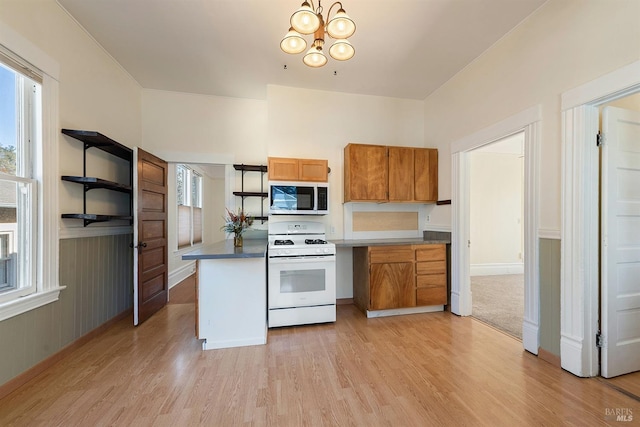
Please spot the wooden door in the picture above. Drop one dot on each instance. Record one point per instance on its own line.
(401, 174)
(365, 173)
(150, 234)
(620, 245)
(425, 174)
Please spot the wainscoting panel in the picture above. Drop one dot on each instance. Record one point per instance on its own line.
(550, 295)
(98, 275)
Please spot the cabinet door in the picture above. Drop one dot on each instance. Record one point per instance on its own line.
(392, 286)
(401, 180)
(425, 174)
(283, 169)
(313, 170)
(365, 173)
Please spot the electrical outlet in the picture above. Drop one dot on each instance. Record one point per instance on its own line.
(333, 230)
(428, 218)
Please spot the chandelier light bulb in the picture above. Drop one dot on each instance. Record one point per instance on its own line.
(305, 20)
(342, 50)
(341, 26)
(314, 57)
(293, 42)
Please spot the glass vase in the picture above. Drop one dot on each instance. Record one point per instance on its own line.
(237, 240)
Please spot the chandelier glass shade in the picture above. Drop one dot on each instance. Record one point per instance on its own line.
(308, 20)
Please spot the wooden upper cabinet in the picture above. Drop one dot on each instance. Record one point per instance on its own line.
(425, 174)
(313, 170)
(287, 169)
(401, 174)
(365, 173)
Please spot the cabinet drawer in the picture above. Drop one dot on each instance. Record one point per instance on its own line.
(431, 267)
(431, 296)
(388, 254)
(431, 253)
(432, 280)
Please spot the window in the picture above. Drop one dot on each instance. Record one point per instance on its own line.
(20, 120)
(29, 132)
(189, 199)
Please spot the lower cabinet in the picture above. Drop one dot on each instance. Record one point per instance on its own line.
(403, 276)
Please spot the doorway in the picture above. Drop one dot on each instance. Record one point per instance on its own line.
(497, 234)
(529, 123)
(580, 267)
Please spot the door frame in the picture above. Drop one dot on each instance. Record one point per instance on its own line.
(529, 122)
(580, 244)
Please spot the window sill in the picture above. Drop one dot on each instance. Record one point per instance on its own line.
(29, 302)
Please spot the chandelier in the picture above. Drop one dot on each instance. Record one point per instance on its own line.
(308, 20)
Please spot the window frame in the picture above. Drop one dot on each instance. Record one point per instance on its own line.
(188, 176)
(45, 276)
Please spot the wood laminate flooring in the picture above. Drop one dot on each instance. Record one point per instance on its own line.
(431, 369)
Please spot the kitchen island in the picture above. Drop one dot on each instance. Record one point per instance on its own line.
(231, 294)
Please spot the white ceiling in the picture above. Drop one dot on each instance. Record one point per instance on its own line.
(404, 48)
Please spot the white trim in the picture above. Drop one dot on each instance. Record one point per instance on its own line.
(496, 269)
(431, 227)
(499, 130)
(188, 157)
(528, 121)
(619, 83)
(29, 302)
(580, 216)
(548, 233)
(26, 50)
(46, 171)
(95, 231)
(181, 273)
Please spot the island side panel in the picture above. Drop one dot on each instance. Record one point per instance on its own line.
(232, 307)
(361, 278)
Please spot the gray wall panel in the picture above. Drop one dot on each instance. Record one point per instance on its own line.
(550, 295)
(98, 274)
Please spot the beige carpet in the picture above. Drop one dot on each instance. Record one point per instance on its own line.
(499, 301)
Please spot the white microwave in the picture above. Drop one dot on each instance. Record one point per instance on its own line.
(298, 198)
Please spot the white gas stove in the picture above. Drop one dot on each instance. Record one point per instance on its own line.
(302, 274)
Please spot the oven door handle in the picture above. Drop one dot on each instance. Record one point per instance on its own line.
(285, 259)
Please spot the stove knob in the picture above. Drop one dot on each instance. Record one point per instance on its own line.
(318, 250)
(326, 250)
(287, 251)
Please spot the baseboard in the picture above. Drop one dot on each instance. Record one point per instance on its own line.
(496, 269)
(17, 382)
(549, 357)
(344, 301)
(181, 273)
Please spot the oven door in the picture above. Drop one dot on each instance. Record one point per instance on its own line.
(302, 281)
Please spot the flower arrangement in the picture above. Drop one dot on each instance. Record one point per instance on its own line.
(237, 223)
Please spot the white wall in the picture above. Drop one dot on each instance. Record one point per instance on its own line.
(95, 94)
(496, 213)
(562, 45)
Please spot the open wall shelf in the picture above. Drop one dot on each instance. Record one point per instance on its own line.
(262, 194)
(92, 139)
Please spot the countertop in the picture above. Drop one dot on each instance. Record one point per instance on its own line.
(252, 248)
(353, 243)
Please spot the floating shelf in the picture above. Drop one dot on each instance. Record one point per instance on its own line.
(250, 194)
(91, 218)
(90, 183)
(251, 168)
(98, 140)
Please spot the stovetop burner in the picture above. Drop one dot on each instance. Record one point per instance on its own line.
(283, 242)
(315, 242)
